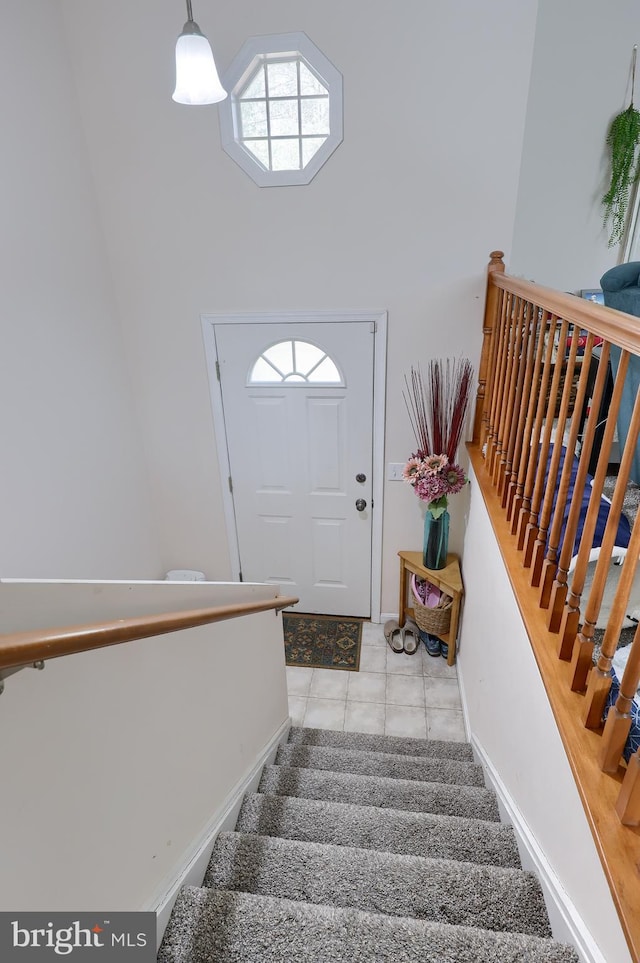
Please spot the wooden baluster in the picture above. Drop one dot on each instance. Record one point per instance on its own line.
(581, 660)
(522, 407)
(510, 468)
(550, 566)
(560, 586)
(489, 404)
(539, 321)
(628, 802)
(496, 362)
(599, 677)
(535, 462)
(496, 264)
(618, 724)
(570, 621)
(506, 414)
(543, 473)
(509, 336)
(493, 441)
(498, 348)
(553, 497)
(515, 389)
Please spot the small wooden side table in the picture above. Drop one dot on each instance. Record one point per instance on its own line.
(448, 579)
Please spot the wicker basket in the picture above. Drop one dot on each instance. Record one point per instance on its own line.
(435, 621)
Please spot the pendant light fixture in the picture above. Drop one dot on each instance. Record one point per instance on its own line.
(197, 80)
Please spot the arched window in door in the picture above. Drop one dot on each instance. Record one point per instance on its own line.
(295, 362)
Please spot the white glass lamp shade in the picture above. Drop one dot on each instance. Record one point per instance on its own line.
(197, 80)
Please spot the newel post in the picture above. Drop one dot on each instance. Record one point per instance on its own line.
(496, 264)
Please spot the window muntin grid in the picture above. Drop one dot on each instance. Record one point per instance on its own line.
(295, 362)
(284, 113)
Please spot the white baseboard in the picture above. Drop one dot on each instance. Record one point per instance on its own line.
(566, 923)
(385, 616)
(194, 861)
(463, 698)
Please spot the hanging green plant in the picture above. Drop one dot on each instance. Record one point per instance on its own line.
(622, 141)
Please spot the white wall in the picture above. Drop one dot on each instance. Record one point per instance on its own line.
(73, 492)
(402, 217)
(112, 761)
(580, 81)
(510, 717)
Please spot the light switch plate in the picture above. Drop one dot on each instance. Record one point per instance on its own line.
(394, 471)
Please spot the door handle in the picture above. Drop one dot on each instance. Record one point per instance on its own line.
(361, 505)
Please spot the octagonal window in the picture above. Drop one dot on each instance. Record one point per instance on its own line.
(284, 116)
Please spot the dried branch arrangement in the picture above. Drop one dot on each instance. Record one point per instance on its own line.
(437, 405)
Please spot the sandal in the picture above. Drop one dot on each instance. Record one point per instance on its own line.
(410, 638)
(393, 635)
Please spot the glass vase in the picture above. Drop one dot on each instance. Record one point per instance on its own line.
(436, 540)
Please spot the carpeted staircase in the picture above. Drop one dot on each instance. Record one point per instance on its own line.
(366, 848)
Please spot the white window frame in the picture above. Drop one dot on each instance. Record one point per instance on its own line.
(630, 248)
(277, 46)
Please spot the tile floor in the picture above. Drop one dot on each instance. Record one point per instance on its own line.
(392, 694)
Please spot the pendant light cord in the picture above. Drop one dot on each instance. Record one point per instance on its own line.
(190, 17)
(633, 70)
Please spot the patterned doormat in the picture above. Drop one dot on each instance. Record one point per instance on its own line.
(322, 641)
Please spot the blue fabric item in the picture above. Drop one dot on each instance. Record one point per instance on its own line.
(633, 741)
(627, 401)
(621, 289)
(621, 276)
(623, 533)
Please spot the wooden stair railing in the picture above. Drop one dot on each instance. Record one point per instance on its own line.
(538, 414)
(24, 648)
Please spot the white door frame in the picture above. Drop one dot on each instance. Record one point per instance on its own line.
(378, 319)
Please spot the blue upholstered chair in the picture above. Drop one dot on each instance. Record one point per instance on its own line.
(621, 288)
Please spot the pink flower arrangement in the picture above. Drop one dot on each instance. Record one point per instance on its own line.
(433, 477)
(437, 409)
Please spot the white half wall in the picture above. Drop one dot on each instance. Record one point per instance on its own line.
(114, 762)
(509, 715)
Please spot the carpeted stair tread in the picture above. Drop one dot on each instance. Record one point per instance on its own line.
(387, 764)
(218, 926)
(369, 827)
(374, 743)
(472, 801)
(462, 894)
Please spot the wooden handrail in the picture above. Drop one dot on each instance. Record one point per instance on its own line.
(23, 648)
(614, 326)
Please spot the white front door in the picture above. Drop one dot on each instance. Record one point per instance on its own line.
(298, 413)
